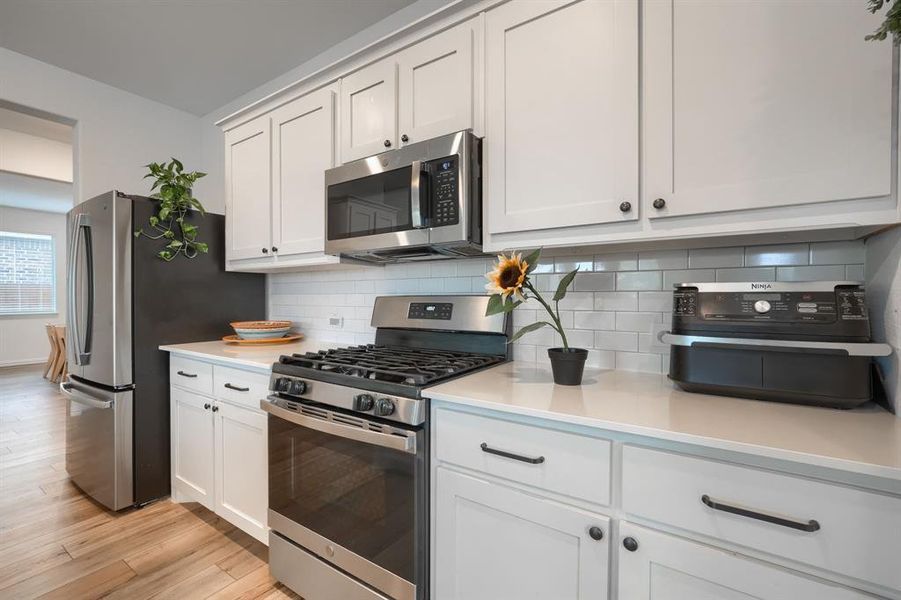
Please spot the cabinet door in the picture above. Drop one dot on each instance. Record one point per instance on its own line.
(369, 111)
(303, 146)
(247, 191)
(494, 543)
(191, 432)
(561, 113)
(242, 484)
(665, 567)
(748, 105)
(435, 85)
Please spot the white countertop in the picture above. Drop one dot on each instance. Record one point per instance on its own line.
(865, 440)
(258, 357)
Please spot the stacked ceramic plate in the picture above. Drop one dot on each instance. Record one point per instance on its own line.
(261, 330)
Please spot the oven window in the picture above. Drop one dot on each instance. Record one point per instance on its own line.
(371, 205)
(357, 495)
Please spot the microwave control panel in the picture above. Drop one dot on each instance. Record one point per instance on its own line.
(445, 191)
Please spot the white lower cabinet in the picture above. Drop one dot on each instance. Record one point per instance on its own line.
(220, 455)
(240, 450)
(191, 434)
(511, 520)
(660, 566)
(496, 543)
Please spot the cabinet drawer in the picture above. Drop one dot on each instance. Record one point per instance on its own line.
(240, 387)
(555, 461)
(191, 374)
(834, 527)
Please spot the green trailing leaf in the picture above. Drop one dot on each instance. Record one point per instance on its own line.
(564, 283)
(892, 23)
(532, 260)
(171, 189)
(528, 329)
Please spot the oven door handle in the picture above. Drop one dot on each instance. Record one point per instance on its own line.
(404, 443)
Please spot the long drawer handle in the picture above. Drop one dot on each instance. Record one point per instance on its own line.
(505, 454)
(236, 388)
(809, 526)
(188, 375)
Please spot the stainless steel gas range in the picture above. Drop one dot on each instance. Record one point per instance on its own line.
(349, 448)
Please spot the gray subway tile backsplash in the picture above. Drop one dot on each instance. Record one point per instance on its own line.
(619, 303)
(777, 255)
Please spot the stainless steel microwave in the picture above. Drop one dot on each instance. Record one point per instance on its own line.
(419, 202)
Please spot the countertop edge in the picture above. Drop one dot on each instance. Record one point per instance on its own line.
(768, 452)
(205, 356)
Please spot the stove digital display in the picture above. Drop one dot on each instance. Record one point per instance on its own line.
(431, 310)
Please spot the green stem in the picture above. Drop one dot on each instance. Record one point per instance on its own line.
(554, 316)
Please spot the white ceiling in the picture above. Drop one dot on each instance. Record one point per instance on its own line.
(196, 55)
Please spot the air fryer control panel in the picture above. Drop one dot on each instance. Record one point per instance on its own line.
(776, 308)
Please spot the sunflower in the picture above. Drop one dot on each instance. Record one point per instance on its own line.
(508, 276)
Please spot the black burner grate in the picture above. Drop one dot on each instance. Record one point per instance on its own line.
(394, 364)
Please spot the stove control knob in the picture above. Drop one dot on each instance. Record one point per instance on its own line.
(297, 387)
(363, 402)
(282, 384)
(384, 407)
(762, 306)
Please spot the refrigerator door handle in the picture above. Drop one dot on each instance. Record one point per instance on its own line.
(70, 392)
(82, 229)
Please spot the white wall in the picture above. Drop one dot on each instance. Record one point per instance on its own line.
(23, 340)
(883, 266)
(116, 132)
(36, 156)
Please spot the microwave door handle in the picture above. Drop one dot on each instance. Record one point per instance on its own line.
(418, 189)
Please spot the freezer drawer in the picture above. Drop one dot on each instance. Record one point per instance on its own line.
(99, 442)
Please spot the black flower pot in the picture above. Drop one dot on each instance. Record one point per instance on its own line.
(567, 364)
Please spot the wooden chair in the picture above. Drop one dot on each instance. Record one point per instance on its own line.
(59, 366)
(63, 368)
(54, 351)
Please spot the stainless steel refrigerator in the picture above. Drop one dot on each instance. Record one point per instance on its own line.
(123, 302)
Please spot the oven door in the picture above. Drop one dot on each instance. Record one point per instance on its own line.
(353, 492)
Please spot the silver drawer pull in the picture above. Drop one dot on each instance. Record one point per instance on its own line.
(188, 375)
(505, 454)
(236, 388)
(809, 526)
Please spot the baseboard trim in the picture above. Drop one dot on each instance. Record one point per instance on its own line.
(23, 363)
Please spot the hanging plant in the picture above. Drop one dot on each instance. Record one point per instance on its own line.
(174, 201)
(891, 25)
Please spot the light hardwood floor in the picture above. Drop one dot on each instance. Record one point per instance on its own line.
(57, 543)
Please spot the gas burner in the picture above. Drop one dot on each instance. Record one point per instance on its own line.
(392, 364)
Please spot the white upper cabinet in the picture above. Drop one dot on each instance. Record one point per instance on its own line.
(248, 191)
(753, 104)
(303, 147)
(275, 185)
(561, 114)
(435, 86)
(369, 111)
(422, 92)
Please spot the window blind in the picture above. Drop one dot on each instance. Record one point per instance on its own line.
(27, 274)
